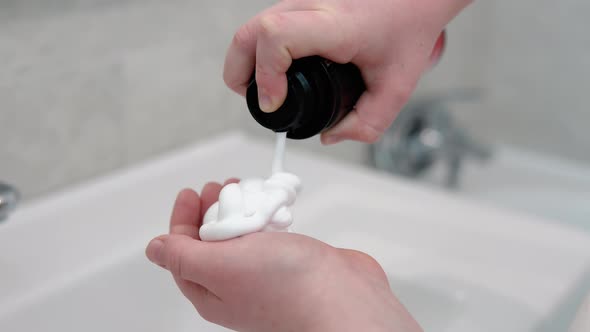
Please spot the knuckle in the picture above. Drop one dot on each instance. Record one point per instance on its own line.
(243, 37)
(370, 136)
(272, 50)
(231, 81)
(403, 93)
(267, 71)
(367, 263)
(344, 50)
(206, 313)
(263, 73)
(175, 254)
(268, 77)
(275, 62)
(271, 24)
(369, 133)
(345, 47)
(373, 124)
(345, 43)
(206, 308)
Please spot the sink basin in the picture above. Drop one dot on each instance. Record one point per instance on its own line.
(74, 261)
(538, 184)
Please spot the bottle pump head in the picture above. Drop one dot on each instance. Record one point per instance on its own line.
(318, 95)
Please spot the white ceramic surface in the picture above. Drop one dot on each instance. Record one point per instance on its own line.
(74, 261)
(538, 184)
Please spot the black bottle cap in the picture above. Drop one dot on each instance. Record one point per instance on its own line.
(289, 115)
(308, 108)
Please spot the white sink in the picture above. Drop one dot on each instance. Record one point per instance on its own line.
(74, 261)
(526, 181)
(541, 185)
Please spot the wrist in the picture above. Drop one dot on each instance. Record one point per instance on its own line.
(389, 316)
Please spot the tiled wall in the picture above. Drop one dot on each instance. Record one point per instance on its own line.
(87, 86)
(530, 60)
(90, 86)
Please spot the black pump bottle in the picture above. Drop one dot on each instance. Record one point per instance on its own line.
(320, 93)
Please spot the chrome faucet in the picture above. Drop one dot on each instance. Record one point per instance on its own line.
(424, 135)
(9, 198)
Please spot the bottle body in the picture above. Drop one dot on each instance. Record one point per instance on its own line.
(320, 93)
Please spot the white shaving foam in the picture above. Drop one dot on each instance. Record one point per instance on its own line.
(254, 205)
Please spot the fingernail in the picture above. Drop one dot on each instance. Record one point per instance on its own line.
(332, 139)
(265, 102)
(154, 251)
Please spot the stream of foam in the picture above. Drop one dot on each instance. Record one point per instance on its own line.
(279, 157)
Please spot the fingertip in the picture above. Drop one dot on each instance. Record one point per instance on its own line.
(235, 80)
(231, 180)
(352, 128)
(209, 195)
(328, 138)
(241, 89)
(234, 77)
(187, 195)
(154, 250)
(186, 213)
(209, 187)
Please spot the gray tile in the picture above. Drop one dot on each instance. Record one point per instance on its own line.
(87, 86)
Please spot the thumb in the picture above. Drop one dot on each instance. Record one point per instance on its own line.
(373, 114)
(185, 257)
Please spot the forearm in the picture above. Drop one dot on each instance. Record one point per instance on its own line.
(441, 11)
(382, 312)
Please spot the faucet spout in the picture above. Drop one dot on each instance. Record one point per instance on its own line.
(9, 198)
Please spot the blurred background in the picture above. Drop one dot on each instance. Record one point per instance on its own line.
(88, 86)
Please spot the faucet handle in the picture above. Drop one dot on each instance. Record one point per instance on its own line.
(9, 198)
(425, 134)
(462, 146)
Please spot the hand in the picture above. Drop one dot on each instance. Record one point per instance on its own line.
(274, 281)
(389, 40)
